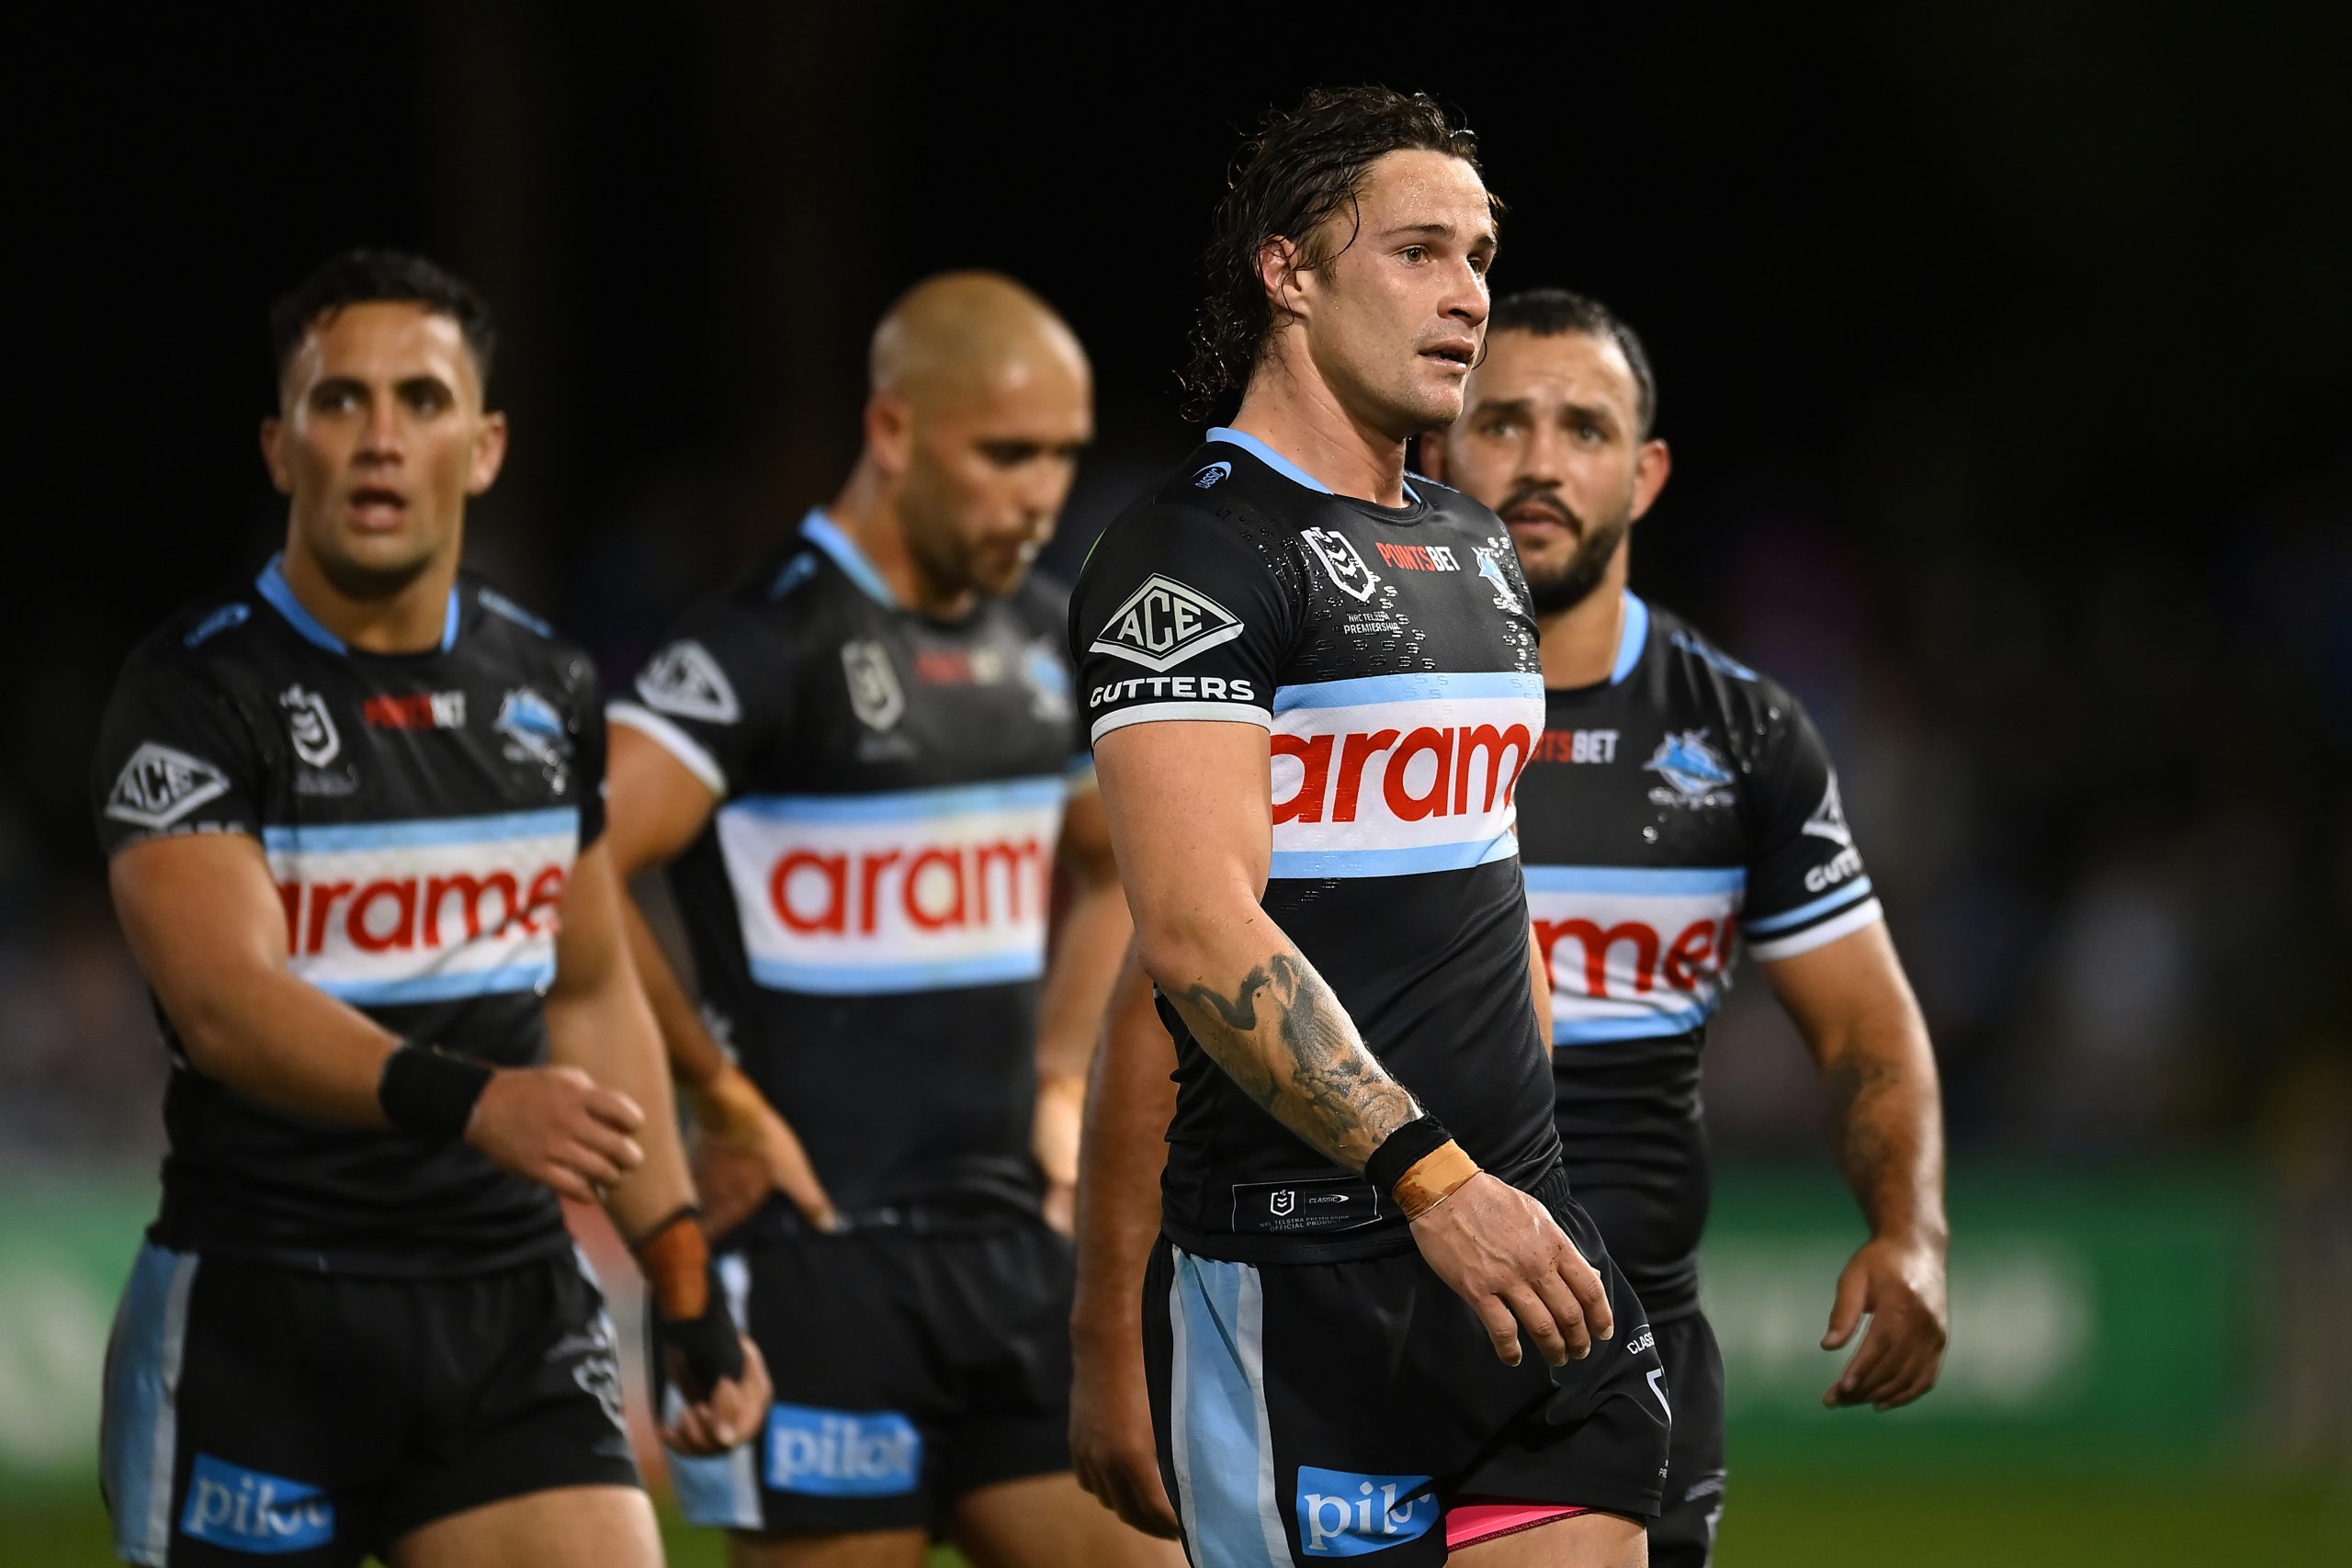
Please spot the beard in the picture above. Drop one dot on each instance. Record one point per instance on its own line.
(1551, 589)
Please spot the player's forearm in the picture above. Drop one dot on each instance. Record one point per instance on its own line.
(1095, 929)
(1886, 1120)
(287, 1044)
(1540, 982)
(1130, 1100)
(1263, 1014)
(607, 1030)
(695, 1057)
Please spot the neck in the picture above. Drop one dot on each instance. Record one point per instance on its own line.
(1297, 415)
(1579, 643)
(411, 620)
(867, 512)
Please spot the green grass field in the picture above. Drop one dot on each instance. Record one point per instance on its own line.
(1776, 1524)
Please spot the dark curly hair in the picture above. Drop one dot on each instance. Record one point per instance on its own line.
(1298, 170)
(367, 276)
(1550, 312)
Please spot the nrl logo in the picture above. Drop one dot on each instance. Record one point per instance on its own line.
(1164, 623)
(1341, 560)
(1283, 1203)
(684, 678)
(315, 741)
(1687, 764)
(159, 785)
(875, 695)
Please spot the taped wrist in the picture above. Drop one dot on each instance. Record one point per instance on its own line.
(1420, 1165)
(426, 1092)
(695, 1340)
(1402, 1148)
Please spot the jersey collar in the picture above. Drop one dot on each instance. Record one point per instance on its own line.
(825, 534)
(1281, 465)
(272, 585)
(1633, 639)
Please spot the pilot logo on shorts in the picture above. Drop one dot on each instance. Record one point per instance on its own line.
(315, 741)
(1341, 560)
(1694, 775)
(842, 1453)
(684, 680)
(1164, 623)
(1344, 1514)
(875, 695)
(159, 785)
(244, 1510)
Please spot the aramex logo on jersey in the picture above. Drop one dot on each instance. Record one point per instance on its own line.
(684, 680)
(159, 785)
(1164, 623)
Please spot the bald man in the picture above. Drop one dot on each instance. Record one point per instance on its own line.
(861, 763)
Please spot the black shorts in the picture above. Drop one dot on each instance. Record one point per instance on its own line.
(911, 1365)
(1683, 1535)
(1312, 1410)
(315, 1418)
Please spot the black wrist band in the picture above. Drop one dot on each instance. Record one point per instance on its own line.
(429, 1093)
(683, 1211)
(1403, 1149)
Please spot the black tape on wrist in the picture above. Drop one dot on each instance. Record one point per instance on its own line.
(430, 1093)
(1403, 1149)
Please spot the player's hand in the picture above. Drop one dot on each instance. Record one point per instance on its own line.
(1111, 1445)
(1061, 1109)
(1501, 1251)
(556, 1125)
(729, 1415)
(1900, 1284)
(748, 1150)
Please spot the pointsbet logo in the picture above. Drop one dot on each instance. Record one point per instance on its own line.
(1343, 1513)
(244, 1510)
(842, 1453)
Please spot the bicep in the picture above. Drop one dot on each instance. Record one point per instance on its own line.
(1190, 812)
(590, 952)
(654, 806)
(1834, 991)
(200, 911)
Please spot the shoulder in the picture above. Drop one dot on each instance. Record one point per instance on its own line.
(1216, 511)
(514, 635)
(1696, 661)
(218, 640)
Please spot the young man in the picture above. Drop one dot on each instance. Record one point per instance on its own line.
(860, 757)
(1363, 1199)
(1676, 798)
(354, 812)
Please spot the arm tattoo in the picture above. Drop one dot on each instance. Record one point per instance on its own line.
(1313, 1075)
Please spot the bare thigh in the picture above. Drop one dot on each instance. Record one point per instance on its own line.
(1587, 1540)
(1047, 1521)
(851, 1548)
(581, 1526)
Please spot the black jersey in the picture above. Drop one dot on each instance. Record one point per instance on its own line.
(1390, 653)
(420, 814)
(867, 907)
(1681, 808)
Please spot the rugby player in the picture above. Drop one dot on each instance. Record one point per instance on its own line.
(1364, 1202)
(862, 761)
(354, 814)
(1677, 803)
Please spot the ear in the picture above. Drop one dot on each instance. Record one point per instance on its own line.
(1279, 275)
(490, 454)
(273, 455)
(1650, 471)
(890, 432)
(1432, 456)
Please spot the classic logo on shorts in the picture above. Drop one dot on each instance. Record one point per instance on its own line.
(1164, 623)
(842, 1453)
(684, 678)
(244, 1510)
(1341, 560)
(1343, 1513)
(161, 785)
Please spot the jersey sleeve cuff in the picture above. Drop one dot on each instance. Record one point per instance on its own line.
(691, 753)
(1866, 913)
(1161, 713)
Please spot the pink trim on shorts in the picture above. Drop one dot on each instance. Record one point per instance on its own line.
(1467, 1524)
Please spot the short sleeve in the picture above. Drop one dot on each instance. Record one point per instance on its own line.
(713, 695)
(1806, 884)
(1177, 616)
(173, 756)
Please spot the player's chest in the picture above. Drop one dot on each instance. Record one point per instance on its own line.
(1392, 600)
(1632, 788)
(897, 704)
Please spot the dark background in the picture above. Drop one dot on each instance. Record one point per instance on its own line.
(2002, 353)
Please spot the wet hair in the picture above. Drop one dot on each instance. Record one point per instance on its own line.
(1298, 170)
(1550, 312)
(371, 277)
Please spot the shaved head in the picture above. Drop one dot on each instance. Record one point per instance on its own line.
(963, 338)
